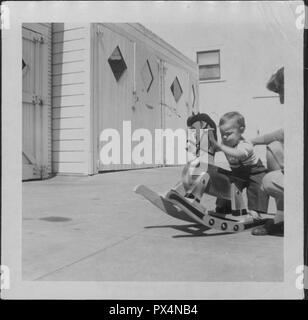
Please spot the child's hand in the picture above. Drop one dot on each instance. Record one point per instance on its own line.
(213, 141)
(252, 141)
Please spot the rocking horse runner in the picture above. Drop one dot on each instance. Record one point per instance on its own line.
(199, 177)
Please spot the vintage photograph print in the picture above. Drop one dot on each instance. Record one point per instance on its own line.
(158, 149)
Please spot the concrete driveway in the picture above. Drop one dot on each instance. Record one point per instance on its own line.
(96, 228)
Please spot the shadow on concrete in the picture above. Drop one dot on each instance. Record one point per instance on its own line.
(192, 230)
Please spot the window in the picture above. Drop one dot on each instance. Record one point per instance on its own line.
(209, 64)
(176, 89)
(147, 75)
(117, 63)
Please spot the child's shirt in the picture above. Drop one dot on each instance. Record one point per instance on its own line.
(249, 159)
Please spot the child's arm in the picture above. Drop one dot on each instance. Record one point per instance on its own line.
(233, 152)
(238, 153)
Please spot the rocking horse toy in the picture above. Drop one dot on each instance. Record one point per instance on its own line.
(201, 176)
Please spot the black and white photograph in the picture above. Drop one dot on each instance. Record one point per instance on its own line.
(152, 150)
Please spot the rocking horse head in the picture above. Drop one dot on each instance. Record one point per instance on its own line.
(200, 122)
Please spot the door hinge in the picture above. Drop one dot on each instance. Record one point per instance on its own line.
(38, 38)
(99, 30)
(40, 171)
(36, 171)
(37, 100)
(44, 172)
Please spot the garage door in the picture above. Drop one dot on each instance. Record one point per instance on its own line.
(33, 104)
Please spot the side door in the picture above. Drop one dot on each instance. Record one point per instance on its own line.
(32, 105)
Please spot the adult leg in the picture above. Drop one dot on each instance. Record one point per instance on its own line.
(273, 186)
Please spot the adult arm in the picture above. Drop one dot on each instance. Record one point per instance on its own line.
(277, 135)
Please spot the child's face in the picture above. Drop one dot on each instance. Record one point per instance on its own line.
(230, 133)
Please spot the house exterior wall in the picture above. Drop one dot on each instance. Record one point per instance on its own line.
(86, 98)
(250, 54)
(70, 98)
(255, 40)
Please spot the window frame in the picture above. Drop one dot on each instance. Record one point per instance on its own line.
(219, 64)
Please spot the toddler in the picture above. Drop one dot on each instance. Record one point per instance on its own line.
(243, 162)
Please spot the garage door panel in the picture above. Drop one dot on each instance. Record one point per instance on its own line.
(177, 105)
(115, 95)
(34, 55)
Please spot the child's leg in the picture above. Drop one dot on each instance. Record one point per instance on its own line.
(219, 186)
(257, 197)
(223, 206)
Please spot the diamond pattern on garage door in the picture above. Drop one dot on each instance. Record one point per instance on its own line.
(117, 63)
(147, 75)
(176, 89)
(24, 66)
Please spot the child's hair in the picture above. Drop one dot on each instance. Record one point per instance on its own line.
(233, 115)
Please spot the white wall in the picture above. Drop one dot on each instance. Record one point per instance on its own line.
(255, 39)
(70, 98)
